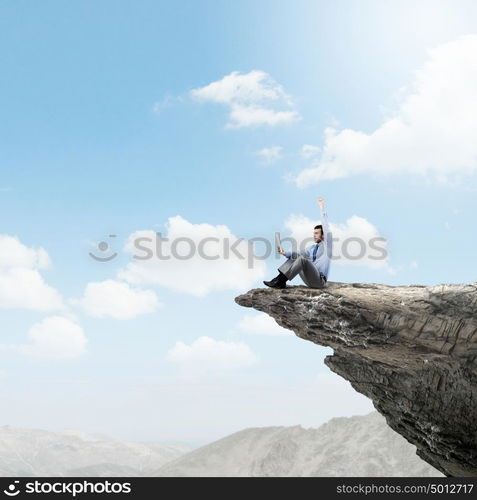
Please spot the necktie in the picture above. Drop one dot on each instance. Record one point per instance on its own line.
(314, 252)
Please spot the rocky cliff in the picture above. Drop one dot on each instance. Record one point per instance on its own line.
(411, 349)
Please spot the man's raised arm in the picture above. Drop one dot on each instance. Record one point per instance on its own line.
(327, 236)
(324, 217)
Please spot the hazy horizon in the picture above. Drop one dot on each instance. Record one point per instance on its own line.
(211, 123)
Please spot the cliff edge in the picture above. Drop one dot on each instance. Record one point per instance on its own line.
(411, 349)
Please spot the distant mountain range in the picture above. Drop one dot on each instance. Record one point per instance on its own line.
(34, 452)
(355, 446)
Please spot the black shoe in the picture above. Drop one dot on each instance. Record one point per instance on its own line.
(277, 284)
(279, 281)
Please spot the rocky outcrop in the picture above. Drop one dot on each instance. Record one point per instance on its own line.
(411, 349)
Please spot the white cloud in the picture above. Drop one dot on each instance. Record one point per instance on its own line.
(431, 132)
(250, 116)
(114, 299)
(206, 354)
(309, 151)
(25, 289)
(13, 253)
(414, 264)
(249, 97)
(201, 272)
(261, 324)
(21, 284)
(166, 102)
(55, 337)
(352, 241)
(270, 155)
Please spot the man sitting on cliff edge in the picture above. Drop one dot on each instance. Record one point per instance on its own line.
(312, 263)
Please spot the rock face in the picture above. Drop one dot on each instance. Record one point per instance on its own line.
(344, 447)
(411, 349)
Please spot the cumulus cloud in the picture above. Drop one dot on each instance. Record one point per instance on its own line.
(309, 151)
(354, 242)
(192, 258)
(432, 132)
(13, 253)
(270, 155)
(252, 99)
(21, 284)
(118, 300)
(206, 353)
(261, 324)
(166, 102)
(55, 337)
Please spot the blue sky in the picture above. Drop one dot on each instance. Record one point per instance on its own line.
(101, 134)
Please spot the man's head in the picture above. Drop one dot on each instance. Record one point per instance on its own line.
(318, 233)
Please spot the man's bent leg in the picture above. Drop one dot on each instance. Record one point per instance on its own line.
(286, 271)
(292, 266)
(311, 276)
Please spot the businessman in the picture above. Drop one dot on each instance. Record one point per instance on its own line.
(313, 263)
